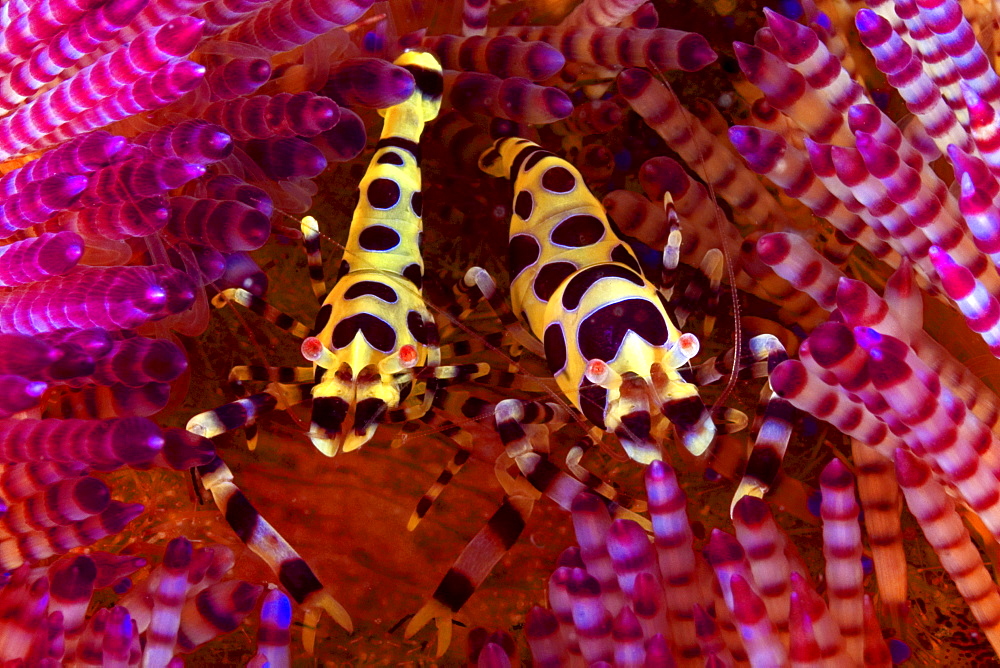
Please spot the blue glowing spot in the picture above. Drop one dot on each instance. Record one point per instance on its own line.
(810, 426)
(729, 22)
(122, 585)
(867, 565)
(824, 21)
(277, 608)
(815, 499)
(623, 159)
(712, 475)
(899, 650)
(373, 42)
(790, 8)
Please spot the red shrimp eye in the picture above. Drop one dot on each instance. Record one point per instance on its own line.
(596, 371)
(689, 345)
(408, 355)
(312, 348)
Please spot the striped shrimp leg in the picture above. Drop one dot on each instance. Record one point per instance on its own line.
(292, 571)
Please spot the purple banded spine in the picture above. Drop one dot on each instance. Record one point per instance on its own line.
(22, 355)
(218, 609)
(601, 12)
(544, 639)
(38, 201)
(137, 361)
(937, 64)
(474, 16)
(728, 560)
(894, 57)
(77, 156)
(221, 14)
(792, 381)
(34, 547)
(631, 554)
(930, 503)
(662, 111)
(980, 308)
(804, 51)
(226, 186)
(152, 91)
(284, 115)
(661, 49)
(147, 53)
(112, 297)
(796, 261)
(768, 154)
(79, 37)
(673, 541)
(591, 522)
(196, 142)
(287, 24)
(61, 504)
(286, 158)
(842, 550)
(590, 617)
(119, 636)
(368, 82)
(765, 547)
(19, 394)
(136, 179)
(562, 606)
(924, 208)
(945, 19)
(503, 56)
(984, 126)
(869, 118)
(957, 459)
(345, 140)
(71, 584)
(100, 444)
(39, 258)
(225, 225)
(168, 601)
(760, 638)
(19, 481)
(787, 90)
(981, 216)
(238, 77)
(138, 218)
(645, 17)
(515, 98)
